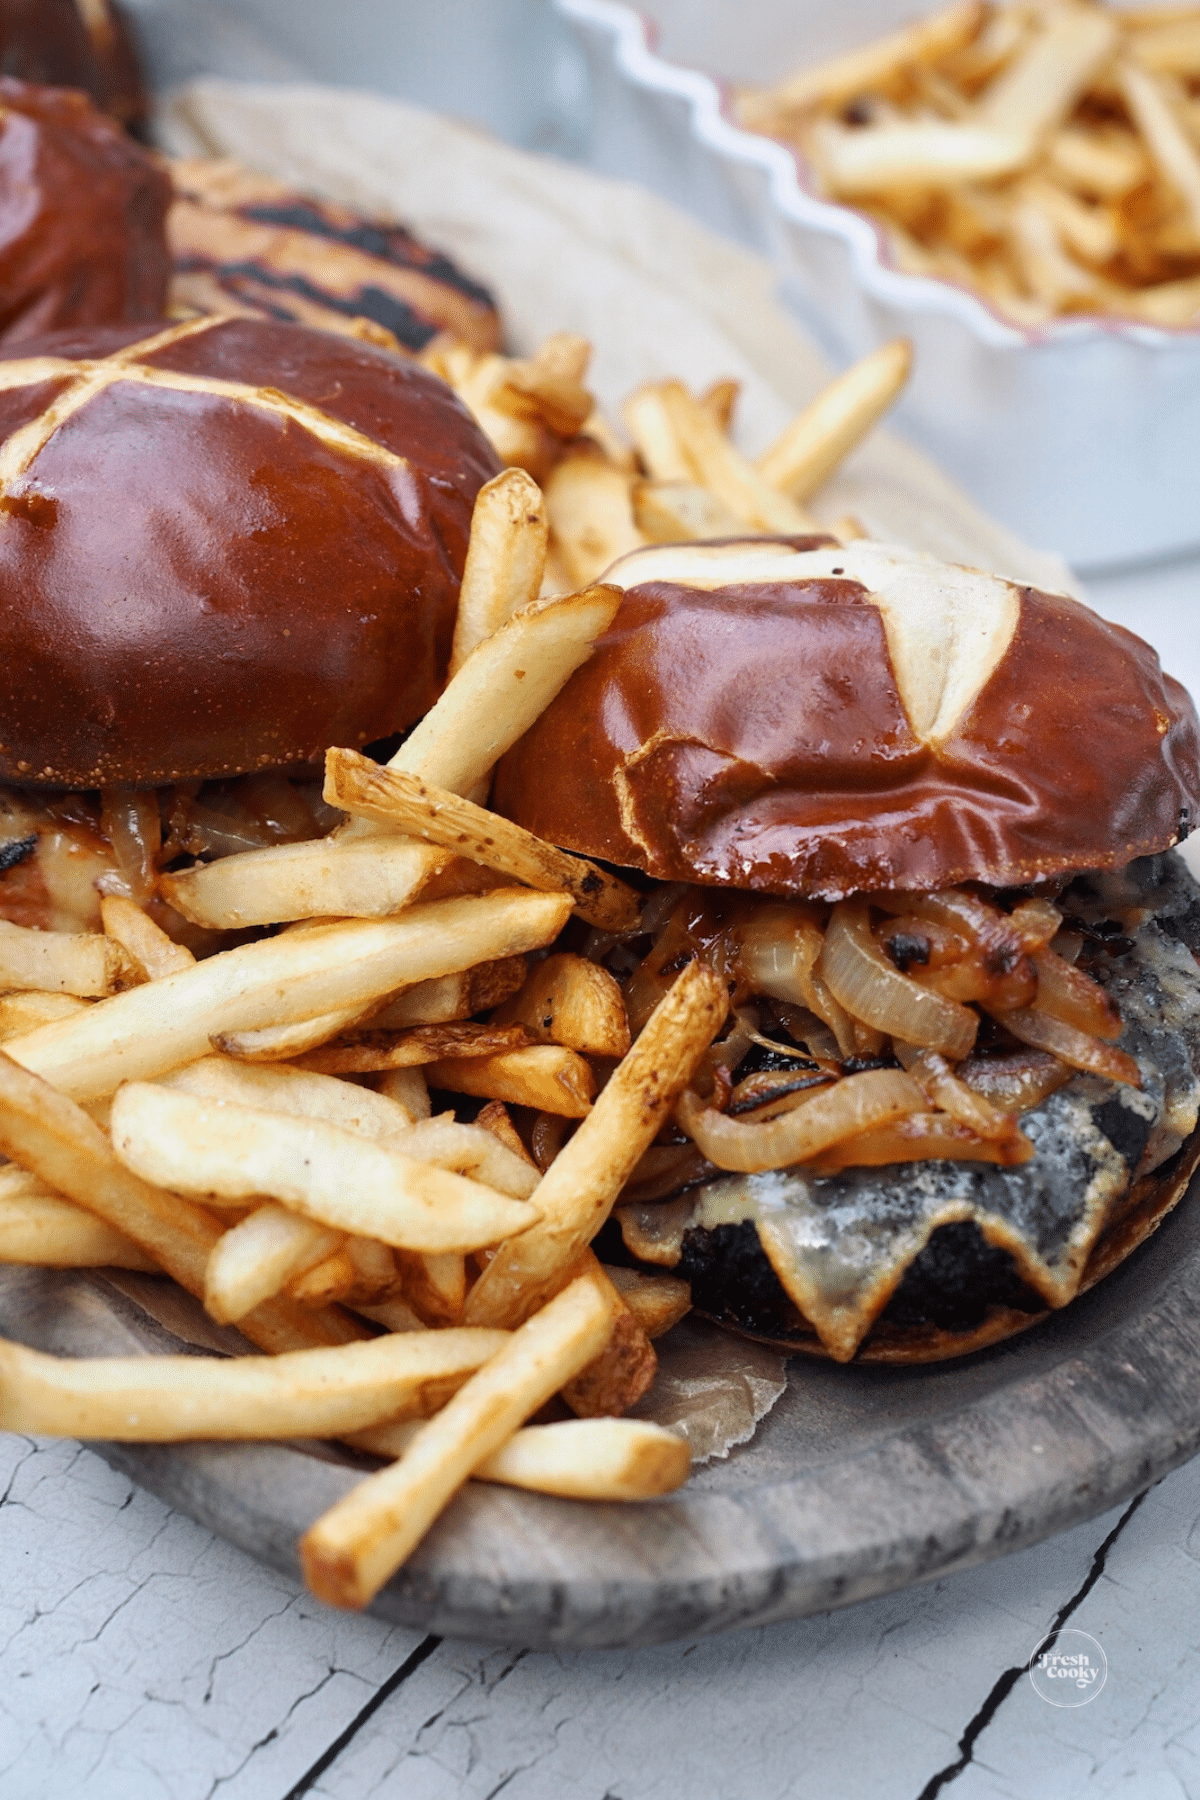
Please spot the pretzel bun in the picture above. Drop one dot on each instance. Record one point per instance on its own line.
(224, 546)
(806, 718)
(243, 243)
(82, 211)
(64, 43)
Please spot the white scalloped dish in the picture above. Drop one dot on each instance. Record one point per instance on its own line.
(1083, 435)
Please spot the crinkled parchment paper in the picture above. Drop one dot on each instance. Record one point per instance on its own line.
(658, 295)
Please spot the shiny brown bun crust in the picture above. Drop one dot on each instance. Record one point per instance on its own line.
(818, 734)
(60, 43)
(82, 217)
(244, 546)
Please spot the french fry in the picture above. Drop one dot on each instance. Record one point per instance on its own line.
(333, 1278)
(326, 876)
(1041, 85)
(578, 1459)
(503, 686)
(146, 945)
(506, 558)
(46, 1133)
(148, 1030)
(652, 429)
(452, 997)
(350, 1552)
(298, 1092)
(720, 398)
(590, 508)
(408, 1089)
(168, 1399)
(544, 1076)
(22, 1012)
(656, 1301)
(82, 963)
(726, 472)
(859, 71)
(615, 1380)
(1108, 166)
(226, 1151)
(1169, 48)
(370, 1050)
(576, 1194)
(495, 1117)
(1168, 143)
(258, 1257)
(279, 1043)
(671, 512)
(391, 796)
(37, 1226)
(824, 434)
(568, 1000)
(435, 1286)
(917, 153)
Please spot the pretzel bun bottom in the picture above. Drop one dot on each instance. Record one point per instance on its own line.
(802, 718)
(223, 553)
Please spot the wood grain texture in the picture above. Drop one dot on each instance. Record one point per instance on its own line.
(860, 1482)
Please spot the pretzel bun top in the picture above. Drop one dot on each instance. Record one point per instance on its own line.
(68, 45)
(807, 718)
(224, 545)
(82, 217)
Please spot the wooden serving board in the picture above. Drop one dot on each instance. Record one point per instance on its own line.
(860, 1481)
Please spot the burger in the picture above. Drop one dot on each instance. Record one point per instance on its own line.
(82, 217)
(920, 819)
(225, 544)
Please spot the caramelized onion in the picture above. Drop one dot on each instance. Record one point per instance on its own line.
(924, 1137)
(130, 821)
(1016, 1079)
(1070, 1045)
(997, 971)
(851, 1106)
(953, 1096)
(1067, 993)
(1036, 922)
(863, 979)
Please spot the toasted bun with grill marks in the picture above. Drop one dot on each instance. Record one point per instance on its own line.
(802, 717)
(82, 211)
(224, 545)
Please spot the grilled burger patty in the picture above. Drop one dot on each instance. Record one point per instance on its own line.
(939, 1245)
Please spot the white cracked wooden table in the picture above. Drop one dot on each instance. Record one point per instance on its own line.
(142, 1658)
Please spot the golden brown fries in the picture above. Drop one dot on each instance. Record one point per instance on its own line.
(503, 686)
(544, 1076)
(576, 1194)
(148, 1030)
(22, 1012)
(225, 1151)
(568, 1000)
(164, 1399)
(61, 962)
(260, 1256)
(38, 1226)
(579, 1459)
(393, 797)
(146, 945)
(656, 1301)
(328, 877)
(46, 1133)
(352, 1550)
(1047, 155)
(820, 437)
(506, 559)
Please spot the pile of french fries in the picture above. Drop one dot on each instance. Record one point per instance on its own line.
(257, 1124)
(1043, 152)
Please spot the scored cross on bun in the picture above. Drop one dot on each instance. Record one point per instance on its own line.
(799, 717)
(915, 816)
(224, 545)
